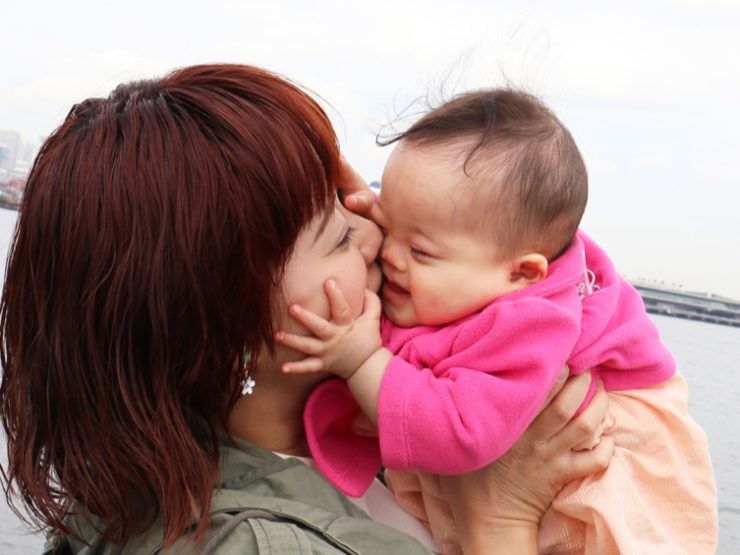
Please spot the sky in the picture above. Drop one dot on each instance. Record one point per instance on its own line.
(650, 90)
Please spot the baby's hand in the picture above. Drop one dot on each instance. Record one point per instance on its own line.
(339, 345)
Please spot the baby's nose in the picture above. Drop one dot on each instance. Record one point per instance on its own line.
(392, 254)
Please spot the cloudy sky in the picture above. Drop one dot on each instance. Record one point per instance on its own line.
(650, 90)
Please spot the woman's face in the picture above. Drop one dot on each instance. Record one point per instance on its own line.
(368, 238)
(336, 245)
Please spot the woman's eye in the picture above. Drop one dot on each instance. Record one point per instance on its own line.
(346, 238)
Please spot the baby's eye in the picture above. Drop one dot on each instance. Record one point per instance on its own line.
(420, 254)
(346, 238)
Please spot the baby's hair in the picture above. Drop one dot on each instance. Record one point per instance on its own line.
(538, 178)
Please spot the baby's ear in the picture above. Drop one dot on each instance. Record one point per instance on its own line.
(529, 269)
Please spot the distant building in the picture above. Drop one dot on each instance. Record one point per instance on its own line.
(10, 141)
(26, 154)
(16, 157)
(17, 185)
(11, 193)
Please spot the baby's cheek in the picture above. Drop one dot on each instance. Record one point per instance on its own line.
(426, 299)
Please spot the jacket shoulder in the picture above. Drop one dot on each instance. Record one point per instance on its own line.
(267, 534)
(229, 535)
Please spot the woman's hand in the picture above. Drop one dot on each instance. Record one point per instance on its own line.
(353, 190)
(497, 509)
(368, 235)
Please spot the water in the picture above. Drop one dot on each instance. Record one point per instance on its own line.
(709, 356)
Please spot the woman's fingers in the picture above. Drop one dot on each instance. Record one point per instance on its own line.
(349, 180)
(340, 311)
(354, 191)
(555, 389)
(360, 203)
(558, 412)
(586, 425)
(585, 463)
(307, 365)
(564, 440)
(300, 343)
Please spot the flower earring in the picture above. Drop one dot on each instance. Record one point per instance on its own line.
(249, 383)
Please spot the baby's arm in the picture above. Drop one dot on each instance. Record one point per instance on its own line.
(466, 408)
(350, 348)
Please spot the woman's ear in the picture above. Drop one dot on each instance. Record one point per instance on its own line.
(529, 269)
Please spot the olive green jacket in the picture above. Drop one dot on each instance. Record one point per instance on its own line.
(266, 505)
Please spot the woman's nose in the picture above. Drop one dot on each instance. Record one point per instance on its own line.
(370, 240)
(391, 254)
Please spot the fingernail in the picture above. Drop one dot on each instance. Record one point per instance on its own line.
(330, 283)
(286, 369)
(295, 309)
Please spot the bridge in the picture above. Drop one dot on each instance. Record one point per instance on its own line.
(692, 306)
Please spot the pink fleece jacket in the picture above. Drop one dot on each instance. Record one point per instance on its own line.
(455, 398)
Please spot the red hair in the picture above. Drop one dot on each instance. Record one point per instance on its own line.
(149, 248)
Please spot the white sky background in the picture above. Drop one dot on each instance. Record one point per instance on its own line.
(650, 90)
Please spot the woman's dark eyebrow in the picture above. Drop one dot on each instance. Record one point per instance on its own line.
(324, 223)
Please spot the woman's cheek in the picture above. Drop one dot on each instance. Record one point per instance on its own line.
(352, 280)
(308, 290)
(305, 289)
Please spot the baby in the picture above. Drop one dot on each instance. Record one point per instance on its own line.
(489, 290)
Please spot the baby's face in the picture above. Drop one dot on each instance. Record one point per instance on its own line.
(439, 263)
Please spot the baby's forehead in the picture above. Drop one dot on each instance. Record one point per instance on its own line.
(470, 208)
(447, 212)
(441, 184)
(472, 198)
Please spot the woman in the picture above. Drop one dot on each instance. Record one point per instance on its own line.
(164, 231)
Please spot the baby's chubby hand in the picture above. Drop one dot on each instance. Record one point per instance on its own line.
(339, 345)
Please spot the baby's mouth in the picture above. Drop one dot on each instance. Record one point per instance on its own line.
(390, 288)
